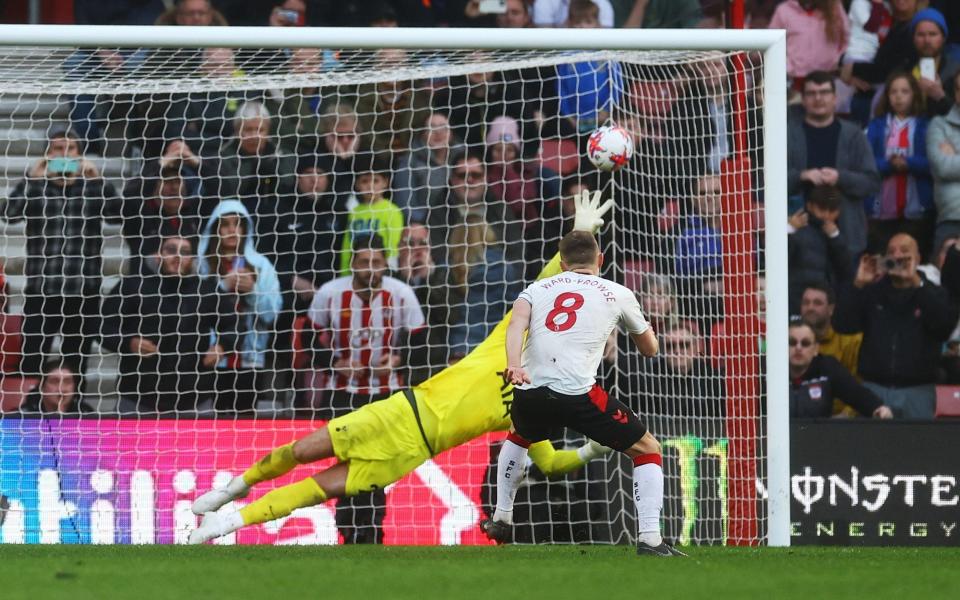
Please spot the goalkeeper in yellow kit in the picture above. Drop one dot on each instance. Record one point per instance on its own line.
(381, 442)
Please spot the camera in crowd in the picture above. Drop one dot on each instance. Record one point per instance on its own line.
(887, 263)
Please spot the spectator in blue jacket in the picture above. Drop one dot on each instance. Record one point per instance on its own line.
(898, 137)
(227, 252)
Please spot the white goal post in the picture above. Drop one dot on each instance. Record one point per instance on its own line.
(767, 486)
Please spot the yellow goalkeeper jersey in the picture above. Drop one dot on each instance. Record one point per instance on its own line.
(471, 398)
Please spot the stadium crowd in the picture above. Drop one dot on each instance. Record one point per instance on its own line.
(317, 248)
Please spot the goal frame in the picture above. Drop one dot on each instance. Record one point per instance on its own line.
(771, 43)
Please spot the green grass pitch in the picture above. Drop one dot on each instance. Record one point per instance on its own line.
(527, 572)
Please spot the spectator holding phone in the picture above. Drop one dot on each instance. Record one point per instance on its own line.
(904, 319)
(64, 202)
(290, 13)
(936, 66)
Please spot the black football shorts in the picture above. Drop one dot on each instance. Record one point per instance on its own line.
(538, 412)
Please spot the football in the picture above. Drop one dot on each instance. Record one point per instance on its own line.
(609, 148)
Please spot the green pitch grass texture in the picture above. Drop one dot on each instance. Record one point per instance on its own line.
(527, 572)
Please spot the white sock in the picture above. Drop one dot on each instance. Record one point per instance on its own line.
(231, 522)
(510, 469)
(648, 496)
(238, 488)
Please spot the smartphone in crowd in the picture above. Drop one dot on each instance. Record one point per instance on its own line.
(293, 17)
(63, 166)
(928, 69)
(493, 7)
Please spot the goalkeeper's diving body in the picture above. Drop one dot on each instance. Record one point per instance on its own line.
(381, 442)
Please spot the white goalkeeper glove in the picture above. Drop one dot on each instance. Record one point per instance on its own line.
(592, 450)
(589, 211)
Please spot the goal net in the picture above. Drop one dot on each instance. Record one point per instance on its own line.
(175, 220)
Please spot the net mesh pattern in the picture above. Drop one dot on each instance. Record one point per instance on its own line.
(175, 274)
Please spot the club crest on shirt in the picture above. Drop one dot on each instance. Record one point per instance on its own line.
(816, 392)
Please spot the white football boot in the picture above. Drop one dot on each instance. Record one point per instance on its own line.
(214, 499)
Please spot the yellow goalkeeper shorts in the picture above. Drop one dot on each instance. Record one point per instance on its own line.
(381, 441)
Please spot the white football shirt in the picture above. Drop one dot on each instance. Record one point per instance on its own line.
(571, 318)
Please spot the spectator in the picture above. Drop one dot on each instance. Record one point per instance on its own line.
(90, 113)
(658, 301)
(422, 174)
(192, 13)
(664, 14)
(816, 308)
(64, 202)
(313, 221)
(415, 267)
(374, 324)
(587, 89)
(473, 100)
(817, 251)
(58, 392)
(555, 13)
(228, 256)
(374, 213)
(365, 355)
(943, 151)
(516, 14)
(11, 342)
(155, 204)
(708, 139)
(171, 330)
(816, 381)
(824, 150)
(265, 174)
(893, 53)
(297, 109)
(467, 195)
(340, 135)
(530, 192)
(870, 22)
(698, 251)
(679, 388)
(898, 136)
(389, 109)
(818, 32)
(289, 13)
(482, 282)
(930, 42)
(904, 319)
(205, 120)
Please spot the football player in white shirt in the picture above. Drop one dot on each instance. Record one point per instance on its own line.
(567, 319)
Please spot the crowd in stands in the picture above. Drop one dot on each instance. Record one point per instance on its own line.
(316, 248)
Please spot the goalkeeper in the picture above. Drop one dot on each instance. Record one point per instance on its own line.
(383, 441)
